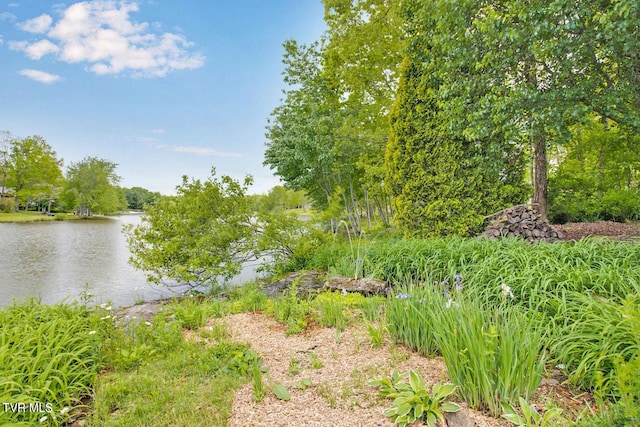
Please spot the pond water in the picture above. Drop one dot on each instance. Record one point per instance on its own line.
(56, 260)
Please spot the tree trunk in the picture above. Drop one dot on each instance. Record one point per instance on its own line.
(540, 173)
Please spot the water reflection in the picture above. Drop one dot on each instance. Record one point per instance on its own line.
(55, 260)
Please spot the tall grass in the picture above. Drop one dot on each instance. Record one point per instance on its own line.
(492, 354)
(48, 355)
(607, 268)
(586, 293)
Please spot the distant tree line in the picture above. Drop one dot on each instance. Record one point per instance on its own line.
(32, 178)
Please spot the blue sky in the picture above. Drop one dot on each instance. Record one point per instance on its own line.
(163, 88)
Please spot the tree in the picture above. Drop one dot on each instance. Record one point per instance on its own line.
(34, 170)
(138, 198)
(597, 175)
(198, 237)
(531, 69)
(441, 184)
(92, 187)
(362, 57)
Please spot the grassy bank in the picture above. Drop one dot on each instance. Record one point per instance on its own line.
(34, 217)
(503, 315)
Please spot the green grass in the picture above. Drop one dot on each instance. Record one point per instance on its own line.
(137, 373)
(33, 217)
(191, 385)
(48, 355)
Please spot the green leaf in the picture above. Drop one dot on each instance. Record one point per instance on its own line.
(450, 407)
(432, 419)
(441, 391)
(281, 392)
(415, 380)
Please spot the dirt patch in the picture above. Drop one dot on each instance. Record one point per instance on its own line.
(612, 230)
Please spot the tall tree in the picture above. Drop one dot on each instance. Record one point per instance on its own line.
(92, 187)
(364, 51)
(35, 171)
(530, 69)
(138, 198)
(303, 147)
(442, 184)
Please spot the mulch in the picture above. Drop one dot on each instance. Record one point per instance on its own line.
(609, 229)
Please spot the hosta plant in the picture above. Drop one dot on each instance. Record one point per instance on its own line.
(412, 401)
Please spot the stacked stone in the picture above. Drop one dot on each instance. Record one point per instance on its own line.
(522, 221)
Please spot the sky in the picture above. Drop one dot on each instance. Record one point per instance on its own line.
(163, 88)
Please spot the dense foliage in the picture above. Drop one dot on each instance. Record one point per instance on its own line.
(198, 237)
(597, 175)
(506, 85)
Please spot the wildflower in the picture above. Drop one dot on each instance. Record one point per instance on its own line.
(92, 332)
(445, 292)
(147, 323)
(387, 289)
(506, 290)
(43, 419)
(402, 296)
(445, 282)
(458, 279)
(344, 292)
(451, 303)
(106, 317)
(108, 308)
(64, 410)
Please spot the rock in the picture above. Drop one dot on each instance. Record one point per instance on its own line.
(463, 418)
(364, 285)
(141, 312)
(306, 282)
(524, 222)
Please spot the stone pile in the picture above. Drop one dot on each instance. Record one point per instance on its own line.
(521, 221)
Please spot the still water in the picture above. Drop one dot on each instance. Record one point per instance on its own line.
(56, 260)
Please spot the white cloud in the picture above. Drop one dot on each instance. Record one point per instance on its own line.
(199, 151)
(157, 130)
(7, 16)
(36, 25)
(40, 48)
(101, 34)
(40, 76)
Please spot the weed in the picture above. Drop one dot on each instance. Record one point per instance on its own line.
(294, 366)
(315, 361)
